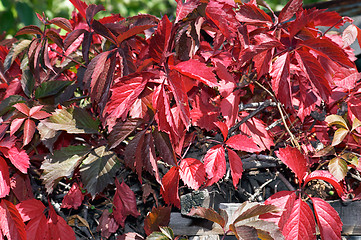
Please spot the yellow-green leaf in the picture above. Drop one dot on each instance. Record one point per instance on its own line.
(336, 120)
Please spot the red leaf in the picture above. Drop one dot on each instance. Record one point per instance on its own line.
(37, 114)
(326, 176)
(283, 200)
(4, 179)
(256, 128)
(197, 70)
(224, 129)
(170, 185)
(58, 228)
(124, 202)
(31, 29)
(295, 160)
(192, 172)
(11, 224)
(92, 10)
(280, 74)
(158, 45)
(250, 13)
(243, 143)
(215, 163)
(80, 6)
(159, 217)
(21, 107)
(124, 94)
(15, 125)
(179, 91)
(37, 228)
(314, 73)
(289, 10)
(19, 158)
(21, 187)
(220, 17)
(29, 130)
(301, 223)
(63, 23)
(236, 165)
(327, 48)
(74, 198)
(183, 9)
(107, 224)
(229, 108)
(328, 220)
(30, 209)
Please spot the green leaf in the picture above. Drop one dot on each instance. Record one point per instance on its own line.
(157, 236)
(7, 103)
(338, 168)
(167, 231)
(98, 169)
(73, 120)
(336, 120)
(27, 81)
(51, 88)
(15, 50)
(339, 136)
(61, 164)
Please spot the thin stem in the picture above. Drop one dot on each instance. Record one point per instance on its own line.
(288, 130)
(72, 59)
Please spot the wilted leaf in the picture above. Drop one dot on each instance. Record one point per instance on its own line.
(209, 214)
(349, 35)
(98, 169)
(158, 217)
(61, 164)
(338, 168)
(107, 224)
(255, 210)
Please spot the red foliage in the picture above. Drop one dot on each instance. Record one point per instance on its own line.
(147, 92)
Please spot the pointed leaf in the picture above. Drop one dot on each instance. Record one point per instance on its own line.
(14, 52)
(280, 74)
(170, 185)
(91, 10)
(334, 119)
(121, 131)
(243, 143)
(164, 146)
(15, 125)
(7, 103)
(58, 228)
(339, 136)
(61, 164)
(265, 230)
(74, 198)
(197, 70)
(98, 169)
(37, 228)
(23, 108)
(51, 88)
(301, 223)
(289, 10)
(107, 224)
(326, 176)
(62, 23)
(209, 214)
(158, 217)
(29, 130)
(159, 42)
(4, 179)
(328, 220)
(250, 13)
(236, 166)
(185, 8)
(224, 129)
(73, 120)
(124, 203)
(19, 158)
(11, 224)
(31, 29)
(192, 172)
(295, 160)
(215, 164)
(256, 210)
(30, 209)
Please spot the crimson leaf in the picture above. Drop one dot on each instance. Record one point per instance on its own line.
(192, 172)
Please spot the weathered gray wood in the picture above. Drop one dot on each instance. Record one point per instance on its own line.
(350, 215)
